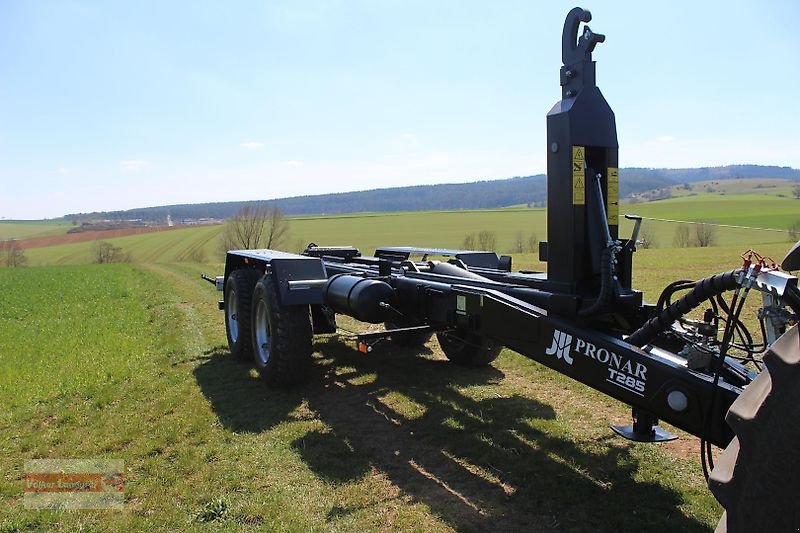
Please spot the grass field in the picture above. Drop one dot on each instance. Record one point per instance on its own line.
(193, 244)
(780, 188)
(448, 229)
(743, 210)
(13, 229)
(129, 362)
(133, 366)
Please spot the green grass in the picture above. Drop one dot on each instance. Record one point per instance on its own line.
(58, 322)
(129, 363)
(756, 203)
(756, 211)
(744, 210)
(23, 229)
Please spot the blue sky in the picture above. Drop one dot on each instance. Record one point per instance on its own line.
(112, 105)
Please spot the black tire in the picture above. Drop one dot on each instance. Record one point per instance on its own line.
(468, 349)
(238, 306)
(757, 477)
(408, 340)
(282, 336)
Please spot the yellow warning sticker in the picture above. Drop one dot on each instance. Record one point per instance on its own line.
(578, 175)
(612, 197)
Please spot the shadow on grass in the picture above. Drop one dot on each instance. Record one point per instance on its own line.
(479, 461)
(331, 457)
(240, 399)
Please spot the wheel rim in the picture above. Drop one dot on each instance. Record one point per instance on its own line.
(230, 312)
(262, 332)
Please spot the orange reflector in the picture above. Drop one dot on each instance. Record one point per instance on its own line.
(363, 348)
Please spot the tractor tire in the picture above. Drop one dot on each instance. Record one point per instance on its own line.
(408, 340)
(282, 336)
(238, 306)
(757, 477)
(468, 349)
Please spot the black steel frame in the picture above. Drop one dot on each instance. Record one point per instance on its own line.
(573, 319)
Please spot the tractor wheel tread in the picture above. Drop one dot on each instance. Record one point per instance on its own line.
(291, 338)
(743, 412)
(757, 478)
(725, 465)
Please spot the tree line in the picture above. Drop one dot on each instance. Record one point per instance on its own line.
(530, 191)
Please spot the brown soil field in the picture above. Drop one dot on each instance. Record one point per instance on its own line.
(71, 238)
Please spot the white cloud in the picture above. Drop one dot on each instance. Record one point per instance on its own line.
(132, 165)
(252, 145)
(292, 163)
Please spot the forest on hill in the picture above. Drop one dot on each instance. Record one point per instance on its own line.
(521, 190)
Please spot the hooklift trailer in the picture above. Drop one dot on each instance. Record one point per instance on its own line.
(582, 318)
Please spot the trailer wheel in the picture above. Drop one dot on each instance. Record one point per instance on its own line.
(468, 349)
(238, 306)
(757, 477)
(282, 336)
(408, 340)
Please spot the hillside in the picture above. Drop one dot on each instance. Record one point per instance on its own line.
(528, 190)
(511, 226)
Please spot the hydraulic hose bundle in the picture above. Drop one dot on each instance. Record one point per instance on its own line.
(703, 290)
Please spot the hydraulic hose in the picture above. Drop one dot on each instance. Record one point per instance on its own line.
(606, 282)
(703, 290)
(595, 199)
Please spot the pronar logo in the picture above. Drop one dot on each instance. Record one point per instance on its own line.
(561, 346)
(623, 372)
